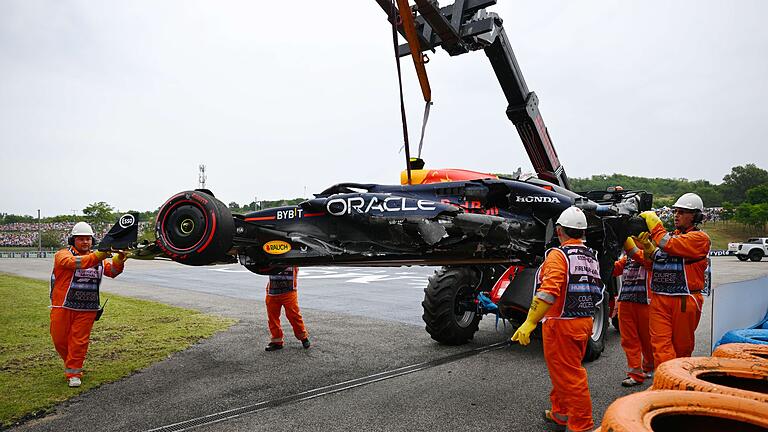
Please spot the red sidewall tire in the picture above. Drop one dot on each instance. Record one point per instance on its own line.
(194, 228)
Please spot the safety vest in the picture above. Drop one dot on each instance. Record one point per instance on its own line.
(283, 282)
(633, 283)
(585, 288)
(668, 276)
(83, 291)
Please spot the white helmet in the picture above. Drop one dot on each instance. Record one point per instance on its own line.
(689, 201)
(81, 229)
(573, 217)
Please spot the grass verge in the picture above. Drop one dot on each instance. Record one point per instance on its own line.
(721, 233)
(130, 336)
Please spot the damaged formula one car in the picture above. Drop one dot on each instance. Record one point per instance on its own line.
(487, 232)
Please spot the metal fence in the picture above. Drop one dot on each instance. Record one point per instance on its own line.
(27, 254)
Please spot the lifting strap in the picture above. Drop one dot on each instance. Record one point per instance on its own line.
(402, 102)
(406, 19)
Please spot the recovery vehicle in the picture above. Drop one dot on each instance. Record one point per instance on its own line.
(489, 232)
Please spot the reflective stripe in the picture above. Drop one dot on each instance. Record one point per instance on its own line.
(77, 262)
(72, 370)
(547, 297)
(664, 240)
(634, 251)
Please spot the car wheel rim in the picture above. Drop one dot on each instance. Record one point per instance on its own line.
(185, 226)
(464, 317)
(597, 322)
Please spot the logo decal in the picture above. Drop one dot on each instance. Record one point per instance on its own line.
(277, 247)
(126, 220)
(536, 199)
(346, 206)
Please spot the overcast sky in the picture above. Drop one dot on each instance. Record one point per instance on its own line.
(120, 101)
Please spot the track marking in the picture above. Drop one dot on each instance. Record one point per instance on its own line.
(322, 391)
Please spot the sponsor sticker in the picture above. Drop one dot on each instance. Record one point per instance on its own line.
(536, 199)
(350, 205)
(277, 247)
(126, 220)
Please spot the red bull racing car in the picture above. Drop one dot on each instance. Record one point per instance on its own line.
(488, 232)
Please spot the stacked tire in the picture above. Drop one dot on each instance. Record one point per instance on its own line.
(726, 392)
(730, 376)
(679, 410)
(746, 351)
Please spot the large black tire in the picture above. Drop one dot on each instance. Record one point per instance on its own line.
(194, 228)
(596, 343)
(742, 257)
(755, 255)
(450, 312)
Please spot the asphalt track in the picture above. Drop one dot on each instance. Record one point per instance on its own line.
(371, 367)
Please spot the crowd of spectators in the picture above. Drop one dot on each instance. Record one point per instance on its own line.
(711, 214)
(29, 227)
(26, 234)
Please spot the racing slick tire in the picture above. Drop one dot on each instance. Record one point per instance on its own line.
(450, 312)
(742, 257)
(596, 343)
(194, 228)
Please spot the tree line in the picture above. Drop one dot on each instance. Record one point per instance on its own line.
(743, 195)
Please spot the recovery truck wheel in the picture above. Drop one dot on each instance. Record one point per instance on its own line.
(596, 342)
(194, 228)
(450, 312)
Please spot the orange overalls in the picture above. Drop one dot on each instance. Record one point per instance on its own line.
(281, 292)
(634, 298)
(565, 342)
(74, 302)
(677, 278)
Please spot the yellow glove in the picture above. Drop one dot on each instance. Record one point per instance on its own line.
(523, 333)
(537, 311)
(651, 219)
(644, 243)
(100, 255)
(119, 258)
(629, 244)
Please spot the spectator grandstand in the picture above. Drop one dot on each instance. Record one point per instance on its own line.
(26, 234)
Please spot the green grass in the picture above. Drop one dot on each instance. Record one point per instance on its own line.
(131, 335)
(723, 233)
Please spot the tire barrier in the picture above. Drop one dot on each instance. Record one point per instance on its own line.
(746, 379)
(676, 410)
(745, 351)
(753, 336)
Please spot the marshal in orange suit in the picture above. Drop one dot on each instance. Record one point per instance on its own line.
(75, 282)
